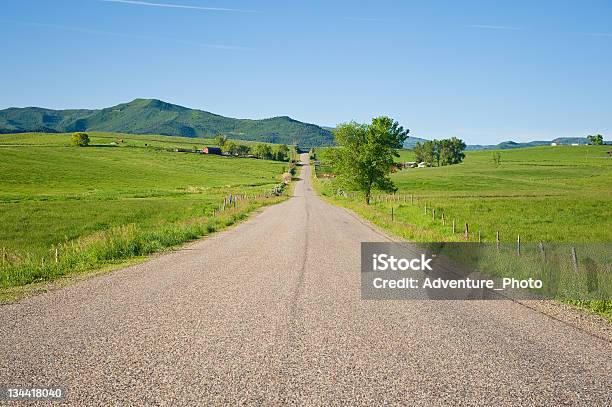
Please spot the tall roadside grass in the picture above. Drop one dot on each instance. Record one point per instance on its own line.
(118, 244)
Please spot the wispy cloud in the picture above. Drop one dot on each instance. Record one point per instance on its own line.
(181, 6)
(495, 27)
(130, 36)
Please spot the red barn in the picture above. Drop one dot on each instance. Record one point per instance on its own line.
(211, 150)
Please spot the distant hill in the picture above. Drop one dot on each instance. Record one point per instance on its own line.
(411, 141)
(506, 145)
(511, 144)
(152, 116)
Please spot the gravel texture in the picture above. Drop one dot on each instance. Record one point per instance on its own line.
(269, 313)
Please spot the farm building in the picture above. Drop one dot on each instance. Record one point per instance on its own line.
(211, 150)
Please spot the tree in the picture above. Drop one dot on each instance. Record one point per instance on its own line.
(230, 148)
(419, 152)
(282, 153)
(80, 139)
(243, 150)
(452, 151)
(595, 140)
(263, 151)
(440, 152)
(366, 154)
(221, 140)
(426, 152)
(444, 152)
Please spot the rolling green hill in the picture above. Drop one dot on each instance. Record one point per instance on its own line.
(151, 116)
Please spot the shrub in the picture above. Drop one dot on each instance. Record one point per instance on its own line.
(80, 139)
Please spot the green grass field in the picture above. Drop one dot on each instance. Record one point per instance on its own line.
(548, 194)
(54, 195)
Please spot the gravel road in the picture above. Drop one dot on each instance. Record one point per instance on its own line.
(269, 313)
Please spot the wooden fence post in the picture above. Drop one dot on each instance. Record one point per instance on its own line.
(479, 238)
(518, 244)
(391, 213)
(497, 240)
(466, 232)
(543, 251)
(575, 259)
(453, 226)
(443, 220)
(56, 255)
(425, 207)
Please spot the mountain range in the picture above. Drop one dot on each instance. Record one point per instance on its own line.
(152, 116)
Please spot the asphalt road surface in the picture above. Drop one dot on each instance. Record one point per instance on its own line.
(269, 313)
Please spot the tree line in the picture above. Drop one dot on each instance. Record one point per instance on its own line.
(440, 152)
(259, 150)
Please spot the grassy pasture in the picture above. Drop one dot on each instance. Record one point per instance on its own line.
(52, 194)
(548, 194)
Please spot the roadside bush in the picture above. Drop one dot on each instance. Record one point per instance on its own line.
(80, 139)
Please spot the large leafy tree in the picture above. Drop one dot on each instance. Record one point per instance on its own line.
(80, 139)
(282, 153)
(221, 140)
(243, 150)
(230, 147)
(427, 152)
(450, 151)
(366, 153)
(440, 152)
(595, 140)
(263, 151)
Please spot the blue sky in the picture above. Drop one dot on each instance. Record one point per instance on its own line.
(484, 71)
